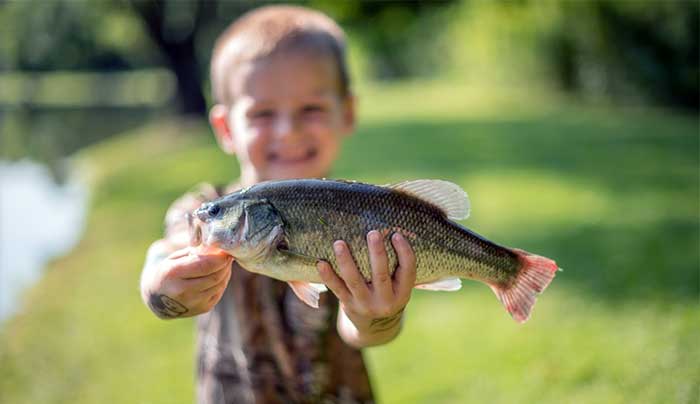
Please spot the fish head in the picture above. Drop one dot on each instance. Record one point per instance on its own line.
(246, 228)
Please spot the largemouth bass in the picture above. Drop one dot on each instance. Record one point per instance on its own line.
(283, 228)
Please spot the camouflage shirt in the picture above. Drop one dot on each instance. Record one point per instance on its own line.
(261, 344)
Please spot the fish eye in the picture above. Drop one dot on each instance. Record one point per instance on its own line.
(213, 210)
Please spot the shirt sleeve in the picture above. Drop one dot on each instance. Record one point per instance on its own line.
(176, 224)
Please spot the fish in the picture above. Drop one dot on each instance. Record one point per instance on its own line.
(282, 229)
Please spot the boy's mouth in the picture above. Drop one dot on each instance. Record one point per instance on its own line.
(293, 157)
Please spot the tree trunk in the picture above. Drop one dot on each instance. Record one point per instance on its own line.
(177, 45)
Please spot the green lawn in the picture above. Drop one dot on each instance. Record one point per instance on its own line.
(611, 194)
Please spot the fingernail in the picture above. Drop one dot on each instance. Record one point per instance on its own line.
(373, 236)
(338, 247)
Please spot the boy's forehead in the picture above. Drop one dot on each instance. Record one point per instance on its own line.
(285, 75)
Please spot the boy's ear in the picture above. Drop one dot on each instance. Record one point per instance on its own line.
(349, 105)
(218, 118)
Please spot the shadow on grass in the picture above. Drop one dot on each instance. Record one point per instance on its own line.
(638, 153)
(644, 263)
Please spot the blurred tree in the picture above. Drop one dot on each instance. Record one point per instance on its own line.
(401, 36)
(173, 26)
(184, 32)
(620, 51)
(58, 35)
(623, 49)
(614, 49)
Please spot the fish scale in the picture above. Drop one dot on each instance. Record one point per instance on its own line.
(282, 228)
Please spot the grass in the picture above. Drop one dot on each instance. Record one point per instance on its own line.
(611, 194)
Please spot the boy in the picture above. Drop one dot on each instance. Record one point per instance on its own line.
(283, 106)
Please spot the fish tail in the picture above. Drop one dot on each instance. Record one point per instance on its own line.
(534, 275)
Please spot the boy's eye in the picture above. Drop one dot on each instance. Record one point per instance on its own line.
(308, 109)
(263, 114)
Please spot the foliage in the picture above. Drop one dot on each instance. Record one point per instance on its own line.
(644, 48)
(402, 39)
(71, 35)
(628, 52)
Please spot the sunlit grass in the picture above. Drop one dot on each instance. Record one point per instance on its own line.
(463, 347)
(611, 195)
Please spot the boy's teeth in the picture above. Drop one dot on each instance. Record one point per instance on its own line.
(293, 157)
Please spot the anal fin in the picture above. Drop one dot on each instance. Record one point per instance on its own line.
(305, 259)
(445, 285)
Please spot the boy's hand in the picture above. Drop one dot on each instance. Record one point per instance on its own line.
(184, 284)
(374, 309)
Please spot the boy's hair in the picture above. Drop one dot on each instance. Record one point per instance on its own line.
(271, 29)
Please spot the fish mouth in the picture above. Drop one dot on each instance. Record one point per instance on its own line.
(194, 226)
(293, 158)
(199, 236)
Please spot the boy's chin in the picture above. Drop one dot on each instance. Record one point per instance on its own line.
(288, 173)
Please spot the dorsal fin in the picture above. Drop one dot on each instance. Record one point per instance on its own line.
(449, 197)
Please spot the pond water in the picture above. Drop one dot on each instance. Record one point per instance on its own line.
(39, 220)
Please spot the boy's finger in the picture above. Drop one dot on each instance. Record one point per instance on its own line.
(206, 282)
(223, 284)
(381, 280)
(213, 299)
(333, 281)
(405, 274)
(348, 271)
(179, 253)
(197, 266)
(220, 286)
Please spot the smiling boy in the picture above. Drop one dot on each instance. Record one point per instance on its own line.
(283, 106)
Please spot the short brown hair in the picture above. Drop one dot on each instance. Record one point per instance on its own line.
(267, 30)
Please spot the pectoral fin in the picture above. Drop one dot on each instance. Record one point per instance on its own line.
(298, 257)
(308, 292)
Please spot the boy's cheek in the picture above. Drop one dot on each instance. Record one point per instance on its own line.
(318, 128)
(330, 123)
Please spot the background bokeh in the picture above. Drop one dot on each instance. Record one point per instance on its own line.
(573, 125)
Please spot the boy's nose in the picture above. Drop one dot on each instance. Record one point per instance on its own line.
(286, 127)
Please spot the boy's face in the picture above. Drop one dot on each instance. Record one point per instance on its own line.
(288, 117)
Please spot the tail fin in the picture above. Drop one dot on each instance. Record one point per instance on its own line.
(535, 274)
